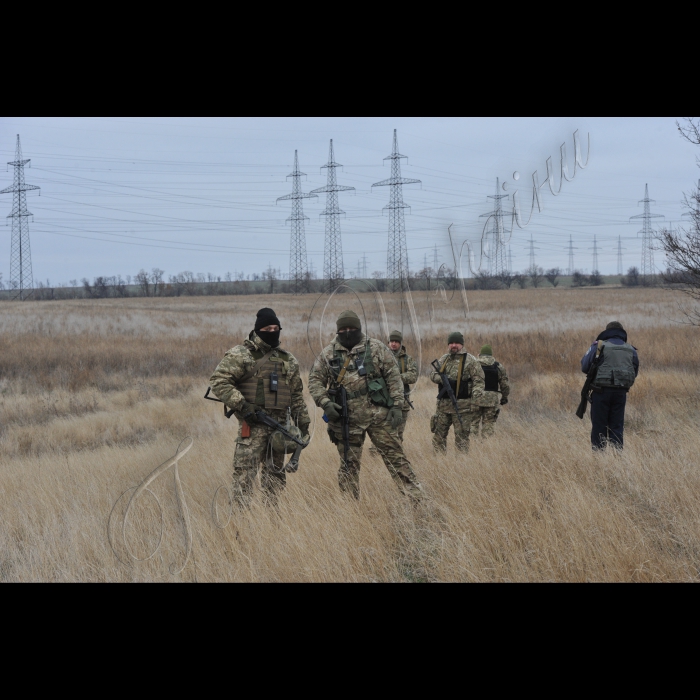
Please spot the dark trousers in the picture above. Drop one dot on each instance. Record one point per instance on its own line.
(608, 417)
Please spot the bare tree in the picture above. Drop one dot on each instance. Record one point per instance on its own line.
(596, 279)
(506, 279)
(682, 246)
(520, 280)
(142, 279)
(485, 280)
(157, 281)
(690, 129)
(536, 275)
(578, 279)
(552, 276)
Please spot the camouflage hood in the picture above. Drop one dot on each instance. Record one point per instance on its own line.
(255, 342)
(401, 352)
(487, 360)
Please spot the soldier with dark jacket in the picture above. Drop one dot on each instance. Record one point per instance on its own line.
(409, 374)
(259, 375)
(496, 392)
(368, 372)
(616, 375)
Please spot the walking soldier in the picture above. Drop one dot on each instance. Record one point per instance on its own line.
(615, 365)
(495, 382)
(409, 375)
(260, 375)
(465, 387)
(356, 381)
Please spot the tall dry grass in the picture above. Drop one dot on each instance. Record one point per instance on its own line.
(94, 395)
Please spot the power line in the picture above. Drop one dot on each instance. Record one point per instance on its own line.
(647, 236)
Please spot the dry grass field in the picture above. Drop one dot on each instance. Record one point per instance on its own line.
(95, 394)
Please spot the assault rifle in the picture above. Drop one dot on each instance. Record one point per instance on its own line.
(447, 389)
(590, 378)
(269, 421)
(340, 396)
(407, 400)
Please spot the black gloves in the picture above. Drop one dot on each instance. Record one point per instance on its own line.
(248, 412)
(504, 401)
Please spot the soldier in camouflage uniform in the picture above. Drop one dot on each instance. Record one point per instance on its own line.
(496, 380)
(467, 380)
(367, 370)
(245, 382)
(409, 374)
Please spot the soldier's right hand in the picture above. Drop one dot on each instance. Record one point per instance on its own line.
(333, 411)
(504, 401)
(248, 412)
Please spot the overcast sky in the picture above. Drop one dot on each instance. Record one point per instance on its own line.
(118, 195)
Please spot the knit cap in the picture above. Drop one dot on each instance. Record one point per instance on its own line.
(266, 317)
(396, 335)
(455, 337)
(348, 319)
(614, 326)
(486, 350)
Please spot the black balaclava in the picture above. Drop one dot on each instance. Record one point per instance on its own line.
(349, 319)
(350, 339)
(267, 317)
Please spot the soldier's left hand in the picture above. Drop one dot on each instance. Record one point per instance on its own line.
(394, 416)
(504, 402)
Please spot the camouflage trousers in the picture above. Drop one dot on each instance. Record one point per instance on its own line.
(489, 416)
(402, 425)
(388, 445)
(440, 427)
(253, 453)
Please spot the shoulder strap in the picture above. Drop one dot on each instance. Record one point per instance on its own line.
(343, 370)
(256, 366)
(459, 373)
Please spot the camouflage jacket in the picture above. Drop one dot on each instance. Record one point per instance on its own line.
(238, 361)
(409, 375)
(491, 398)
(471, 370)
(362, 411)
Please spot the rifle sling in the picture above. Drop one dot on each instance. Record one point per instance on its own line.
(459, 374)
(343, 370)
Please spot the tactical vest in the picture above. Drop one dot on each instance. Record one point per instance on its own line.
(617, 368)
(375, 384)
(461, 387)
(491, 377)
(260, 388)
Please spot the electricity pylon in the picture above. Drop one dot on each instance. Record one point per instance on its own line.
(333, 248)
(21, 279)
(595, 254)
(397, 253)
(570, 270)
(619, 255)
(497, 252)
(647, 236)
(297, 258)
(533, 248)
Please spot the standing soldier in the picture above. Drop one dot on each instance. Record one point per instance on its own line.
(259, 375)
(466, 377)
(409, 374)
(356, 381)
(495, 381)
(615, 376)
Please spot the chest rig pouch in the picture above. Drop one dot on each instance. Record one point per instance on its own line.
(490, 377)
(375, 384)
(268, 387)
